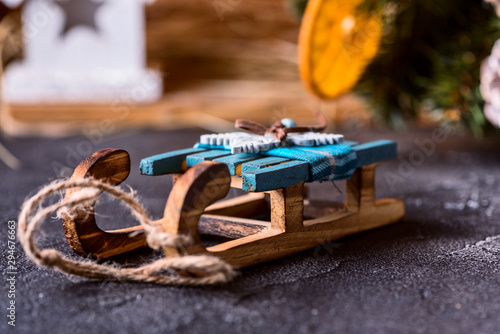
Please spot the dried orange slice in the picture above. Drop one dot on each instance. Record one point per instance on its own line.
(336, 43)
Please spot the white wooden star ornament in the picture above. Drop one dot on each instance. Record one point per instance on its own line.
(79, 13)
(243, 142)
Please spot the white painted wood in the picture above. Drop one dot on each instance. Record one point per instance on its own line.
(243, 142)
(254, 144)
(240, 142)
(82, 65)
(12, 3)
(314, 139)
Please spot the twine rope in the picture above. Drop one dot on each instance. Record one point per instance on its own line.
(278, 129)
(182, 269)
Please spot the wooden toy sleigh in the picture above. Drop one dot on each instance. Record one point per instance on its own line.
(203, 176)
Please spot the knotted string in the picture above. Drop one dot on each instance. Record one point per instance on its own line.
(278, 129)
(190, 269)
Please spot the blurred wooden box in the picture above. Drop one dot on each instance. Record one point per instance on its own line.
(217, 66)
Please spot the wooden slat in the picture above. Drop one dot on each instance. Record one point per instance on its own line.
(262, 163)
(167, 163)
(209, 224)
(375, 151)
(275, 177)
(245, 206)
(235, 161)
(194, 159)
(230, 227)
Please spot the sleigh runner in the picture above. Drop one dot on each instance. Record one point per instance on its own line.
(204, 174)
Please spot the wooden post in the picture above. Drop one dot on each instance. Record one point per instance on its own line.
(287, 208)
(360, 189)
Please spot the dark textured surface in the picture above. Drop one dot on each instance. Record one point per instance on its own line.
(437, 271)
